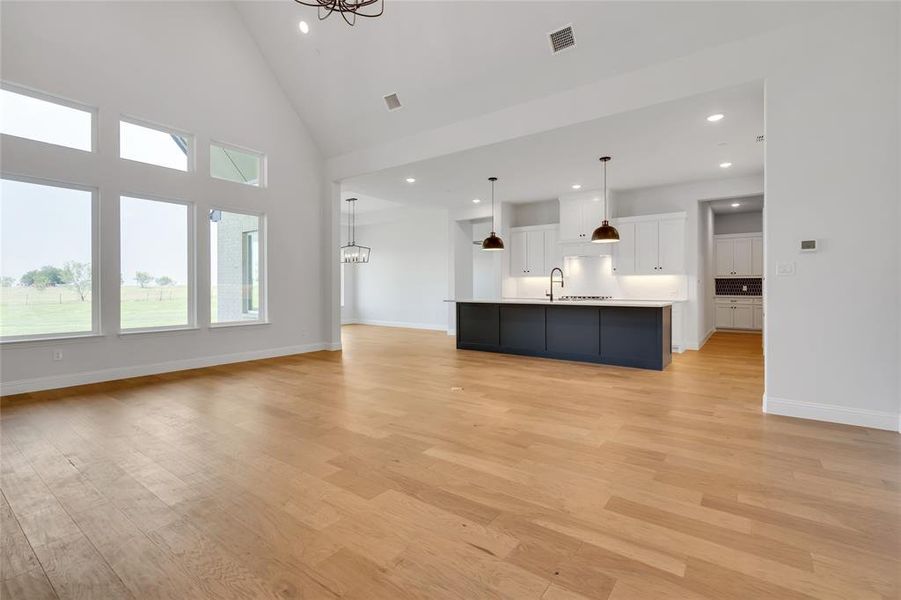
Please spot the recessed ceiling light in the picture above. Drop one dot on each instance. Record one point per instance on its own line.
(304, 27)
(577, 186)
(411, 180)
(475, 200)
(736, 204)
(716, 117)
(725, 165)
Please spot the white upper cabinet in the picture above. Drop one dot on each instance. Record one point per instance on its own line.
(533, 251)
(757, 256)
(739, 256)
(650, 245)
(624, 250)
(579, 217)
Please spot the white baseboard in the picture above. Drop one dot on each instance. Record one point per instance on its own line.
(832, 413)
(402, 324)
(21, 386)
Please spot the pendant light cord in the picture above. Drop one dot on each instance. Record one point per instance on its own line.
(492, 180)
(605, 190)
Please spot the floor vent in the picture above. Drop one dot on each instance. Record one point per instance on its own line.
(392, 102)
(562, 39)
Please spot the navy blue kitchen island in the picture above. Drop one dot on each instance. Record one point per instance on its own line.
(628, 334)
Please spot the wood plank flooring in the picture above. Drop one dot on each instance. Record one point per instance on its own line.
(403, 468)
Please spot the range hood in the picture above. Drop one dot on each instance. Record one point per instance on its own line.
(584, 249)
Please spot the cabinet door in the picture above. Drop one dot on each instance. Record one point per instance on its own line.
(758, 317)
(624, 249)
(535, 253)
(723, 255)
(570, 220)
(741, 257)
(519, 259)
(553, 257)
(647, 247)
(757, 257)
(671, 234)
(723, 317)
(743, 316)
(592, 216)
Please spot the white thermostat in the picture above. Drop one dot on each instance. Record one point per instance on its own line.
(808, 245)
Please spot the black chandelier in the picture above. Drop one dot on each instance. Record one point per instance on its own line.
(349, 9)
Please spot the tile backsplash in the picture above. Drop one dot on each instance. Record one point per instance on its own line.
(742, 286)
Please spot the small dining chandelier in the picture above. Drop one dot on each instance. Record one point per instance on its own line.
(492, 242)
(606, 233)
(348, 9)
(352, 253)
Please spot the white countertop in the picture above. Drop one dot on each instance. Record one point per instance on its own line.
(625, 303)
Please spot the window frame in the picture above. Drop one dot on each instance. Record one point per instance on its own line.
(264, 170)
(39, 95)
(263, 268)
(191, 157)
(96, 329)
(191, 257)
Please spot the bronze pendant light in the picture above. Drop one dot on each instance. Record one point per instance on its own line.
(606, 233)
(348, 9)
(492, 242)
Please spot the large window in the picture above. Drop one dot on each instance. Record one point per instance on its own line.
(235, 164)
(236, 250)
(46, 259)
(44, 120)
(155, 146)
(156, 264)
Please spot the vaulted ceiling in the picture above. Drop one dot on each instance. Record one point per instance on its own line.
(451, 60)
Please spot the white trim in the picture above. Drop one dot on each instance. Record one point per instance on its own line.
(704, 340)
(227, 324)
(22, 386)
(736, 236)
(834, 414)
(545, 227)
(400, 324)
(673, 216)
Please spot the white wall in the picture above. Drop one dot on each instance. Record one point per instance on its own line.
(405, 282)
(687, 197)
(748, 222)
(706, 272)
(832, 340)
(153, 61)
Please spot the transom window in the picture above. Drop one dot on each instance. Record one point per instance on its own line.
(155, 145)
(40, 118)
(236, 164)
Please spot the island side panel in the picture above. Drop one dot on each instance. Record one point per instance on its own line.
(478, 326)
(523, 328)
(573, 332)
(631, 337)
(666, 331)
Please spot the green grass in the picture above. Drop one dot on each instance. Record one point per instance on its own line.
(27, 311)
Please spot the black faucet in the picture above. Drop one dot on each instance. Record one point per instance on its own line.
(551, 293)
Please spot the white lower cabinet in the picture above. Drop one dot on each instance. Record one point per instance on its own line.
(738, 313)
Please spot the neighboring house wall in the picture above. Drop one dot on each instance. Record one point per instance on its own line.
(152, 61)
(231, 273)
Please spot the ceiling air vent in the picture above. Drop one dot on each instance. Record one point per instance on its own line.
(392, 102)
(562, 39)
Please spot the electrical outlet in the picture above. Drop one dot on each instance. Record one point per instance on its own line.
(57, 355)
(785, 269)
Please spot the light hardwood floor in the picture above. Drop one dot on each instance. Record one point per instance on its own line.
(403, 468)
